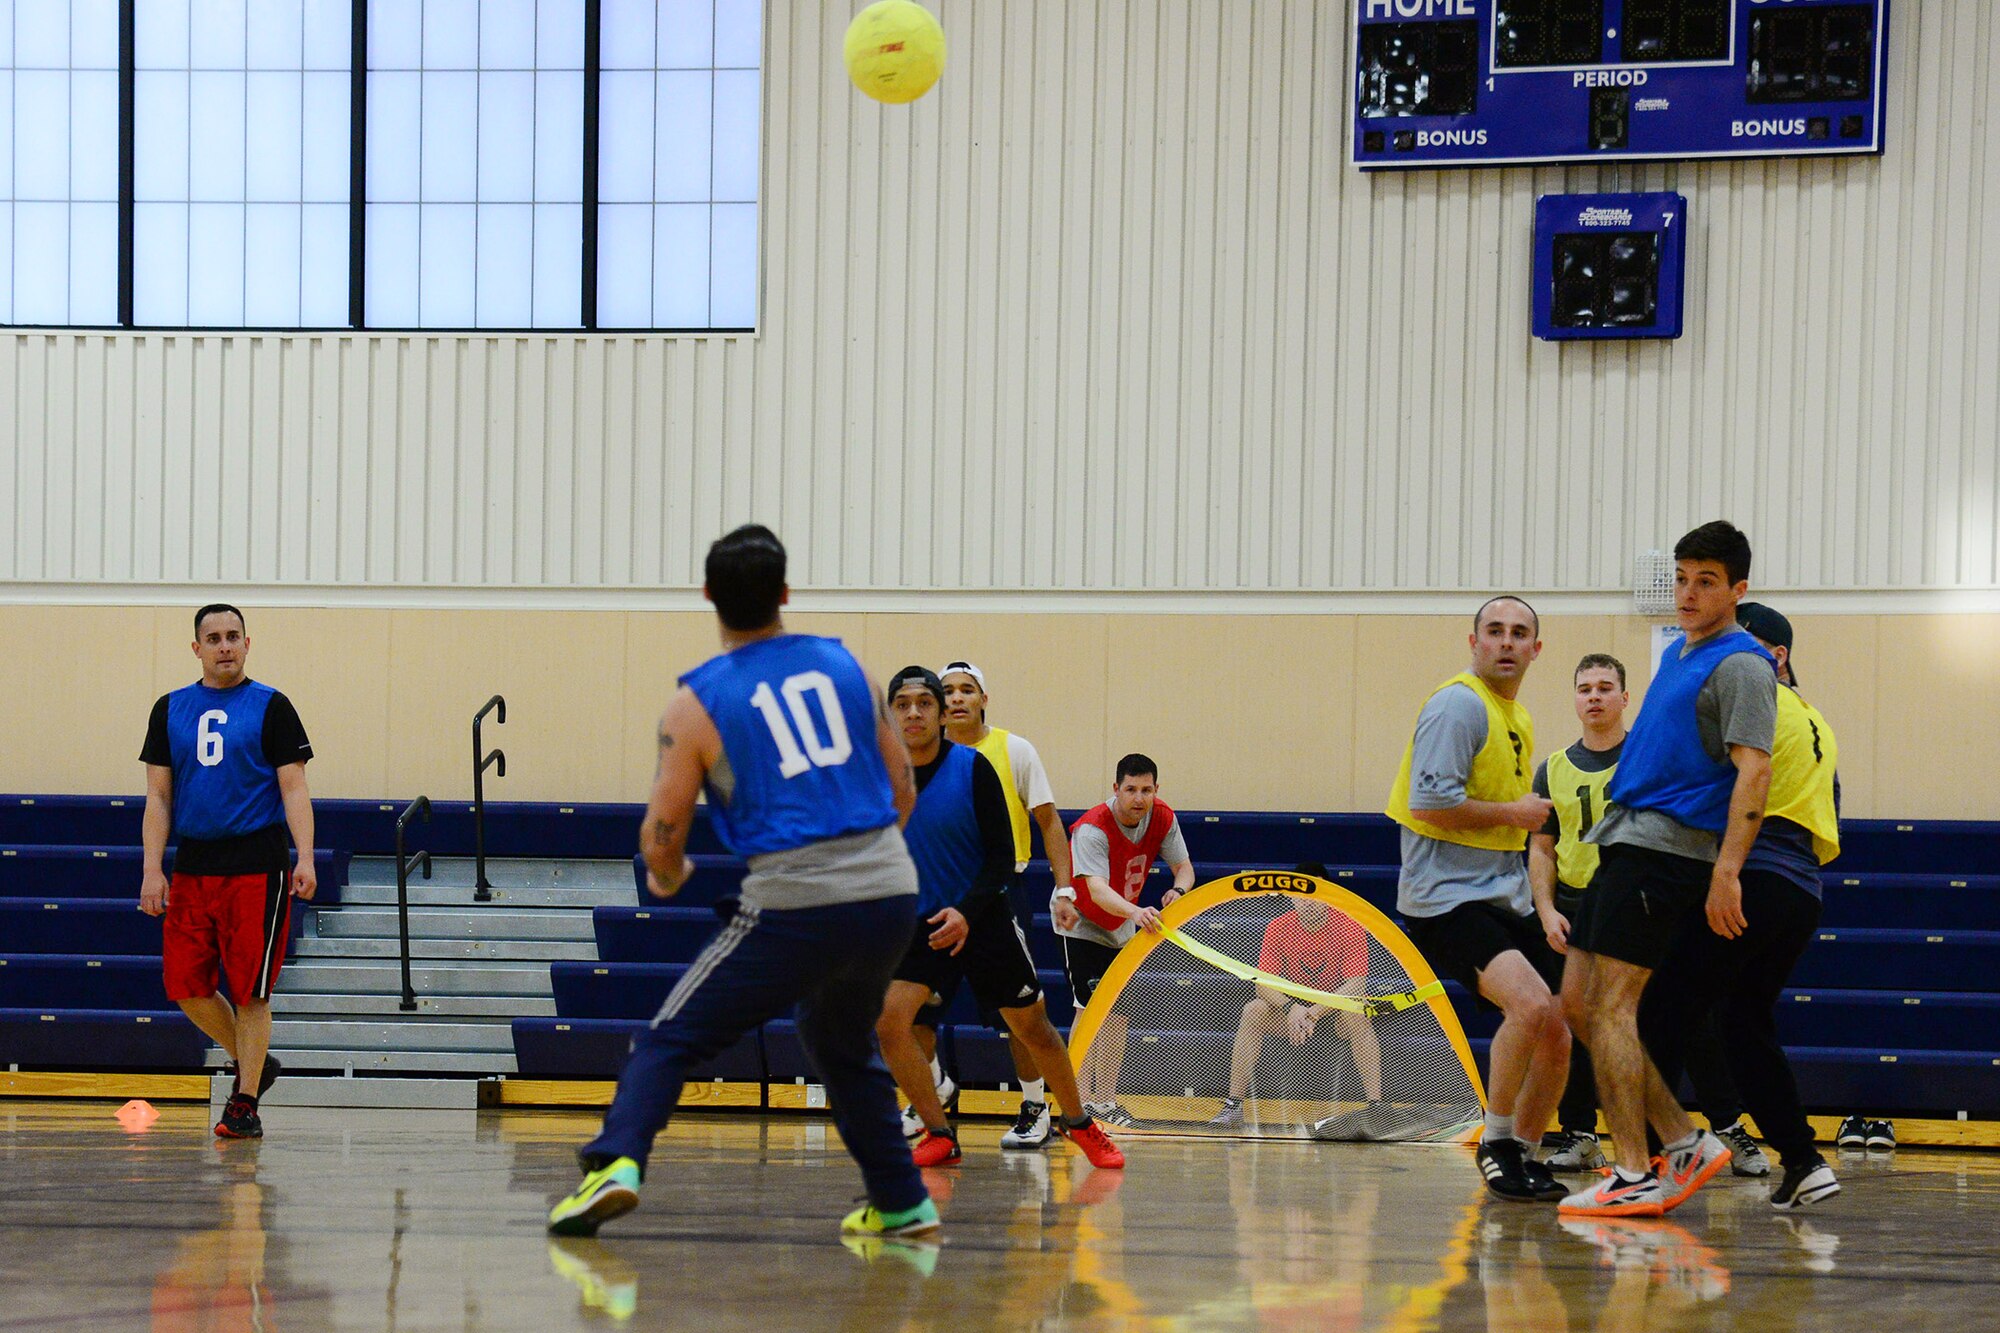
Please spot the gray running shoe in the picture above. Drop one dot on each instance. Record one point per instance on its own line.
(1745, 1157)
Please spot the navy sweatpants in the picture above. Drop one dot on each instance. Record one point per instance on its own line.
(834, 963)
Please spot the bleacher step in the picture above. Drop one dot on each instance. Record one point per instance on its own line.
(454, 871)
(311, 1059)
(334, 1005)
(401, 1094)
(505, 898)
(497, 950)
(326, 976)
(453, 923)
(414, 1034)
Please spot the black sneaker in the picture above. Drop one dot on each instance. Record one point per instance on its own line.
(1805, 1184)
(1853, 1133)
(1500, 1162)
(1545, 1186)
(239, 1119)
(1881, 1136)
(272, 1068)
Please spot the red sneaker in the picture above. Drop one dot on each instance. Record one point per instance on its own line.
(1095, 1144)
(935, 1149)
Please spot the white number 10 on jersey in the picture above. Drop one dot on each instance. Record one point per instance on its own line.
(829, 753)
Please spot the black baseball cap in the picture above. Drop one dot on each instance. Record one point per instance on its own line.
(1767, 626)
(920, 675)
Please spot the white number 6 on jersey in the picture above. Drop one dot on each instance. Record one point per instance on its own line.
(208, 741)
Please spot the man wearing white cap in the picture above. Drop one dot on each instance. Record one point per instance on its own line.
(1030, 798)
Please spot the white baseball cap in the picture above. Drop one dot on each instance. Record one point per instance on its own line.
(965, 668)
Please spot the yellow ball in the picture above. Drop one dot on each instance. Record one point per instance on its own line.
(895, 50)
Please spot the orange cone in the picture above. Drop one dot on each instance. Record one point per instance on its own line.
(137, 1115)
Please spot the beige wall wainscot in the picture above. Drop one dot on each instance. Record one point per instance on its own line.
(1281, 712)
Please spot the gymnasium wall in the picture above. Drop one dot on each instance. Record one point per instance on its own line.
(1106, 312)
(1277, 712)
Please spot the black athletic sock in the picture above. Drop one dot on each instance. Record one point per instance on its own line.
(1075, 1121)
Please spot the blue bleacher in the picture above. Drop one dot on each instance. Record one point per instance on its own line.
(78, 925)
(82, 981)
(56, 1038)
(597, 1047)
(83, 871)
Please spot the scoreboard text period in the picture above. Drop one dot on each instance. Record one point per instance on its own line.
(1443, 83)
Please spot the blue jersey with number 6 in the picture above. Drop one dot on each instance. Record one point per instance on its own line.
(224, 786)
(797, 718)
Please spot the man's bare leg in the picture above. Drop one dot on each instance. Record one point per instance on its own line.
(1527, 1010)
(1260, 1017)
(905, 1058)
(1358, 1031)
(214, 1016)
(253, 1041)
(1610, 992)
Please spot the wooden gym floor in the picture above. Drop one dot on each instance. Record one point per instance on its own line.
(433, 1220)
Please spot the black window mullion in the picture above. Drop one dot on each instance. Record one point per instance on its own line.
(593, 73)
(357, 170)
(128, 83)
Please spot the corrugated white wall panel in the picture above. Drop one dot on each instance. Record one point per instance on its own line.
(1107, 311)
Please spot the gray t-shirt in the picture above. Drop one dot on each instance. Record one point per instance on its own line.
(1090, 854)
(1738, 705)
(858, 868)
(1438, 875)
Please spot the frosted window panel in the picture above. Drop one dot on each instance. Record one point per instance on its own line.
(395, 35)
(41, 135)
(624, 266)
(329, 33)
(687, 34)
(451, 33)
(681, 137)
(160, 135)
(507, 34)
(41, 263)
(559, 137)
(739, 34)
(271, 156)
(626, 40)
(737, 139)
(450, 137)
(680, 266)
(160, 35)
(215, 132)
(323, 173)
(271, 266)
(323, 265)
(93, 34)
(559, 265)
(6, 64)
(93, 263)
(445, 271)
(41, 35)
(625, 138)
(6, 260)
(506, 267)
(215, 264)
(733, 266)
(560, 44)
(6, 141)
(506, 132)
(276, 36)
(93, 154)
(393, 104)
(391, 296)
(159, 263)
(215, 33)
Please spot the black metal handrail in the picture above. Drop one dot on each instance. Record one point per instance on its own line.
(481, 761)
(417, 809)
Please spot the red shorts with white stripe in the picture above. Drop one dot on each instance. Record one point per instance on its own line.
(225, 926)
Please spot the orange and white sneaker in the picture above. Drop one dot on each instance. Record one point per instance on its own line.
(1689, 1168)
(1614, 1196)
(935, 1149)
(1091, 1140)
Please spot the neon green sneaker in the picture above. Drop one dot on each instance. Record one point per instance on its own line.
(607, 1283)
(919, 1255)
(868, 1220)
(606, 1193)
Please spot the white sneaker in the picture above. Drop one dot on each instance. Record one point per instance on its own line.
(947, 1095)
(1031, 1128)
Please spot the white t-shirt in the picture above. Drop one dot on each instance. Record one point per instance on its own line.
(1031, 780)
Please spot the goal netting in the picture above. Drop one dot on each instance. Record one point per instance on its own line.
(1296, 996)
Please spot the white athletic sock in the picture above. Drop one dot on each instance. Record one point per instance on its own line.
(937, 1073)
(1498, 1127)
(1033, 1091)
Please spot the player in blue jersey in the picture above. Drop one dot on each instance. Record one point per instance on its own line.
(807, 780)
(226, 775)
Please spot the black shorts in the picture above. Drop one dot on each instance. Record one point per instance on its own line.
(995, 960)
(1459, 944)
(1086, 962)
(1638, 900)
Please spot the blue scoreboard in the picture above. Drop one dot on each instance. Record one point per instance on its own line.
(1443, 83)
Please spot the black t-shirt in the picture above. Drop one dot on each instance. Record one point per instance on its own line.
(265, 850)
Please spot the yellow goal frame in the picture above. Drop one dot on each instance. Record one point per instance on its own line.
(1265, 884)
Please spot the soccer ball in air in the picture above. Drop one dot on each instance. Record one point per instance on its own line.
(895, 50)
